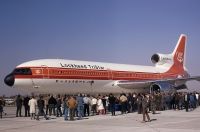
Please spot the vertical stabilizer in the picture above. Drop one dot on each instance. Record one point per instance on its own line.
(179, 51)
(179, 55)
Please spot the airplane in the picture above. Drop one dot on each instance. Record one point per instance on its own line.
(73, 76)
(9, 101)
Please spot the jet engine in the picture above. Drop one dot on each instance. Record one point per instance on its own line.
(162, 87)
(161, 59)
(166, 87)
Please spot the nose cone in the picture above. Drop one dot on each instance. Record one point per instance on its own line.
(9, 80)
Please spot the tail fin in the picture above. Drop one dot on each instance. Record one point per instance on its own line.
(179, 55)
(179, 51)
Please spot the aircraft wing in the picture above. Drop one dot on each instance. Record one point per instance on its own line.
(197, 78)
(134, 84)
(148, 83)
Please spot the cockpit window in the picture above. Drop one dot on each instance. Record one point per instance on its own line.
(22, 71)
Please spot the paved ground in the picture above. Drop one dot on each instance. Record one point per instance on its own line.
(164, 121)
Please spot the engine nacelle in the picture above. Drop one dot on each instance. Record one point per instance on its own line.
(161, 59)
(166, 87)
(162, 87)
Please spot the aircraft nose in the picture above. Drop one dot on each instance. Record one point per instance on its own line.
(9, 80)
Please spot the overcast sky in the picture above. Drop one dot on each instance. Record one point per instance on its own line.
(117, 31)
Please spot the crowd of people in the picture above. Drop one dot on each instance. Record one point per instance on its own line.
(77, 107)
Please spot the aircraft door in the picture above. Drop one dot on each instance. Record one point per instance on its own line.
(45, 71)
(110, 74)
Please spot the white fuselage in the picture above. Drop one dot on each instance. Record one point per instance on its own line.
(48, 83)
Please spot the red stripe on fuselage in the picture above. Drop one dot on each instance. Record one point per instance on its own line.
(91, 74)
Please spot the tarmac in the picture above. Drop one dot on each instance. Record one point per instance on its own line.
(163, 121)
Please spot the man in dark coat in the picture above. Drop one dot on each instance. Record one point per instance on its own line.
(40, 104)
(19, 106)
(58, 106)
(1, 107)
(187, 100)
(52, 104)
(26, 106)
(112, 101)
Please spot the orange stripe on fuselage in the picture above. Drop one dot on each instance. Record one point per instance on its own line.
(91, 74)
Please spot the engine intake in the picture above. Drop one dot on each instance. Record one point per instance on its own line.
(161, 87)
(155, 58)
(160, 59)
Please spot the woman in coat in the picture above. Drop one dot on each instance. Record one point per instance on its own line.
(32, 103)
(100, 107)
